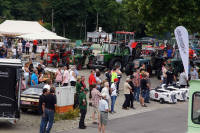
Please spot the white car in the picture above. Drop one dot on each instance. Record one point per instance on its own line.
(180, 95)
(184, 91)
(163, 96)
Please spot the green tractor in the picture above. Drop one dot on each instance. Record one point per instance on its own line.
(81, 57)
(118, 52)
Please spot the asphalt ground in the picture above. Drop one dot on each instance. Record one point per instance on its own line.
(168, 120)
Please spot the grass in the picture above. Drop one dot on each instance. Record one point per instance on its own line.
(70, 115)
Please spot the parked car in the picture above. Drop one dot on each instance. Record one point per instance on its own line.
(180, 95)
(30, 98)
(163, 96)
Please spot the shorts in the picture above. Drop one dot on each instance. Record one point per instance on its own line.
(143, 93)
(95, 109)
(103, 117)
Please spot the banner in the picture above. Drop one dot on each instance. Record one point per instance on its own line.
(182, 39)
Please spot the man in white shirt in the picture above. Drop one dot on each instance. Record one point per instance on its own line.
(113, 94)
(103, 108)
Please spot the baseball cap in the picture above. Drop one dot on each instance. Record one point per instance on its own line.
(116, 80)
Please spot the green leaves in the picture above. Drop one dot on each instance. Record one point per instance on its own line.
(164, 16)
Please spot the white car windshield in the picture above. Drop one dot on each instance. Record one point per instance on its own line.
(33, 91)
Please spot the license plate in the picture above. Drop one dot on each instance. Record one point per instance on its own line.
(24, 102)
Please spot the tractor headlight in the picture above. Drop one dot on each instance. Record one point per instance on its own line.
(48, 58)
(100, 58)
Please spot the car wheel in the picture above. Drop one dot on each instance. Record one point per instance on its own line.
(24, 109)
(161, 101)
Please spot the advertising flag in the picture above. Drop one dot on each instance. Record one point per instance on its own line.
(182, 39)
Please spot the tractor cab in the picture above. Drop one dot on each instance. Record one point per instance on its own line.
(123, 37)
(118, 52)
(194, 107)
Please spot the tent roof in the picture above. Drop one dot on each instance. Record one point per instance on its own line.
(42, 36)
(17, 27)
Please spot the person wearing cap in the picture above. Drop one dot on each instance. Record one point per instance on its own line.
(113, 94)
(127, 92)
(83, 107)
(103, 108)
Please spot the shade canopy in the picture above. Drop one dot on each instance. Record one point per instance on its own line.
(29, 30)
(42, 36)
(16, 28)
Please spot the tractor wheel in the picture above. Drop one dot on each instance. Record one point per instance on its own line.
(115, 62)
(90, 63)
(137, 51)
(55, 63)
(128, 69)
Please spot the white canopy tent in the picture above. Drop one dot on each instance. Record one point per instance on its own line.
(30, 30)
(42, 36)
(17, 27)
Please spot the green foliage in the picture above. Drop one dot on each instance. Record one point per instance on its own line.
(70, 115)
(71, 17)
(162, 16)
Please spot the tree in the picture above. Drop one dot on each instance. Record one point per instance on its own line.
(161, 16)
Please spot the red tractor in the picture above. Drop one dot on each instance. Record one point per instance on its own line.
(56, 58)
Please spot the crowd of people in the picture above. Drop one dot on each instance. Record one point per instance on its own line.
(103, 90)
(15, 48)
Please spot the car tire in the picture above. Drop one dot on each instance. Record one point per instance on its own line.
(24, 109)
(162, 101)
